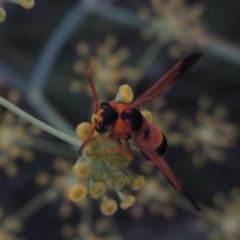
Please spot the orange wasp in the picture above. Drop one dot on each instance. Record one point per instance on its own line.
(124, 121)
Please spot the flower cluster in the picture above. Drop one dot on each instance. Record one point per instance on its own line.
(9, 227)
(99, 229)
(206, 137)
(59, 179)
(15, 139)
(155, 197)
(110, 64)
(27, 4)
(223, 221)
(99, 168)
(209, 134)
(174, 23)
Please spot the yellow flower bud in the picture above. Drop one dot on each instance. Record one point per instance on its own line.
(113, 162)
(82, 48)
(108, 207)
(83, 129)
(2, 15)
(147, 115)
(137, 182)
(127, 202)
(97, 190)
(125, 162)
(92, 147)
(125, 93)
(100, 177)
(27, 4)
(79, 67)
(119, 182)
(82, 170)
(77, 192)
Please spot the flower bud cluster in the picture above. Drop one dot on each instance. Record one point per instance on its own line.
(102, 170)
(27, 4)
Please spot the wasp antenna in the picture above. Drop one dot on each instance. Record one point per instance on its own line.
(94, 92)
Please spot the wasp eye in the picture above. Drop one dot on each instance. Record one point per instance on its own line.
(102, 127)
(109, 116)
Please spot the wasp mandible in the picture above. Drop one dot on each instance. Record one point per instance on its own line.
(124, 121)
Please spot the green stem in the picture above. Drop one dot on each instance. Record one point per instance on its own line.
(13, 1)
(34, 204)
(39, 124)
(121, 195)
(107, 170)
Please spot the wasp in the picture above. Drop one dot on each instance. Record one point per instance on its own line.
(122, 122)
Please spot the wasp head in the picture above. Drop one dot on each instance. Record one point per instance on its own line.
(104, 118)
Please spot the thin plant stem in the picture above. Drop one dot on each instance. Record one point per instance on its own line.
(115, 14)
(147, 59)
(223, 49)
(149, 56)
(105, 166)
(39, 124)
(48, 112)
(67, 25)
(35, 204)
(13, 1)
(13, 77)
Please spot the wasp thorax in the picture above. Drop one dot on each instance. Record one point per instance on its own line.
(105, 117)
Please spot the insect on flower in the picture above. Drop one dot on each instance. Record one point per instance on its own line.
(122, 121)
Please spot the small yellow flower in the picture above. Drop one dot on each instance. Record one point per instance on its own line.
(27, 4)
(125, 93)
(92, 147)
(82, 48)
(100, 177)
(2, 15)
(77, 192)
(97, 190)
(12, 224)
(127, 202)
(79, 67)
(109, 207)
(42, 179)
(147, 115)
(83, 130)
(82, 170)
(119, 182)
(137, 182)
(113, 162)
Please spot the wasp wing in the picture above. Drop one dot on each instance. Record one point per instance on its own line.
(165, 169)
(167, 80)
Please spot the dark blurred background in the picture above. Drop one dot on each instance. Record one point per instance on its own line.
(44, 54)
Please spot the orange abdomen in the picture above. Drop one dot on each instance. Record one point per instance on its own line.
(155, 139)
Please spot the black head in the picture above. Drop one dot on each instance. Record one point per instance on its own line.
(105, 117)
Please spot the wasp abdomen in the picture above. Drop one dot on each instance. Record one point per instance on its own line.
(156, 139)
(162, 148)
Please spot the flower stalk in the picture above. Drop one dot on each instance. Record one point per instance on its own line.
(39, 124)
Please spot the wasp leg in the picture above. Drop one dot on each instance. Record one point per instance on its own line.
(86, 141)
(106, 138)
(119, 150)
(129, 150)
(112, 150)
